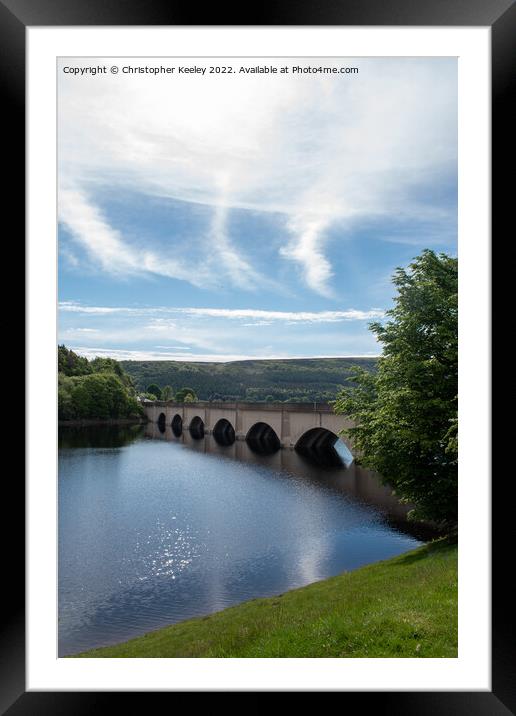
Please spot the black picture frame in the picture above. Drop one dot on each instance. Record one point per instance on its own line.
(500, 16)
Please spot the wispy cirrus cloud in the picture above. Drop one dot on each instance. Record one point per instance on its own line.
(152, 355)
(223, 254)
(106, 245)
(318, 151)
(88, 227)
(193, 332)
(259, 316)
(307, 249)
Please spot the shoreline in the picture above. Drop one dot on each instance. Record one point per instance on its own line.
(408, 602)
(421, 529)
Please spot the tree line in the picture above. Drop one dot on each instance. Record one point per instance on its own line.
(185, 395)
(97, 389)
(288, 380)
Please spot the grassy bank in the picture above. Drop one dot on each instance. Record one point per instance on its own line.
(402, 607)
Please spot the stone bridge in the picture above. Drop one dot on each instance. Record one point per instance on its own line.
(288, 425)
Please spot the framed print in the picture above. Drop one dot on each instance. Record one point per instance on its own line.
(237, 198)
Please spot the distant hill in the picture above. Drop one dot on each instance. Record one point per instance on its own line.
(297, 380)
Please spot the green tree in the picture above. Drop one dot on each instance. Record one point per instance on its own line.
(167, 393)
(110, 365)
(155, 390)
(69, 363)
(102, 395)
(97, 389)
(186, 395)
(406, 412)
(65, 408)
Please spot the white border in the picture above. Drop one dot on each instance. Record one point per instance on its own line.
(471, 670)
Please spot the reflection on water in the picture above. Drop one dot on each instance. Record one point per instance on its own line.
(155, 528)
(262, 439)
(223, 433)
(322, 466)
(324, 448)
(107, 436)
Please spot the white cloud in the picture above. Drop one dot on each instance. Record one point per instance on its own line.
(89, 228)
(120, 354)
(106, 245)
(224, 254)
(266, 317)
(218, 332)
(317, 149)
(149, 331)
(259, 317)
(74, 307)
(307, 249)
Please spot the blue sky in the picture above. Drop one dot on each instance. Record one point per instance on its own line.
(230, 217)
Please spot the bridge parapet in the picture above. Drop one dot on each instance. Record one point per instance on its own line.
(273, 407)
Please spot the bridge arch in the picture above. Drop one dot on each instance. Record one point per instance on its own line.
(324, 447)
(197, 428)
(262, 439)
(224, 432)
(177, 425)
(162, 422)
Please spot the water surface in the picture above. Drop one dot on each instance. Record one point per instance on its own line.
(154, 529)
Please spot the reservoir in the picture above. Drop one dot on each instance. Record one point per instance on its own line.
(155, 529)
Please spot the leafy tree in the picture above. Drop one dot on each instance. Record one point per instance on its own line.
(406, 412)
(186, 395)
(95, 396)
(110, 365)
(106, 365)
(155, 390)
(167, 393)
(64, 397)
(97, 389)
(69, 363)
(102, 395)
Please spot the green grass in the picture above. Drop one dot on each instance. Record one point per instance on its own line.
(401, 607)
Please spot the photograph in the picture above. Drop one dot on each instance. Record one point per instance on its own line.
(257, 386)
(257, 357)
